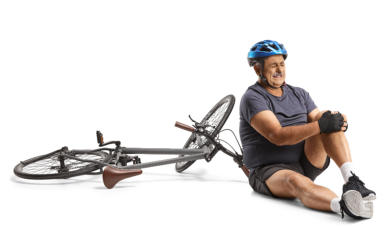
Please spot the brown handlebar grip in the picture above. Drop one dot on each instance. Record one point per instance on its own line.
(245, 170)
(112, 176)
(184, 126)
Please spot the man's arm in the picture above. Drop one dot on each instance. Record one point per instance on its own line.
(267, 124)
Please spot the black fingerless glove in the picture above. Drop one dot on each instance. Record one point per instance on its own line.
(329, 123)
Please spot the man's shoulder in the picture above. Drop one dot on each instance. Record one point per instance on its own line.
(253, 91)
(297, 89)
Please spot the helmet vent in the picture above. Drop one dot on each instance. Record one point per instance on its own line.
(274, 46)
(265, 49)
(253, 48)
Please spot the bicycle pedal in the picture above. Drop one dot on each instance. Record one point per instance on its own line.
(136, 160)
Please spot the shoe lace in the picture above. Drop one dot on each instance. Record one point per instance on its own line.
(357, 178)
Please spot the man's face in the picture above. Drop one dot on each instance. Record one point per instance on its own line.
(274, 70)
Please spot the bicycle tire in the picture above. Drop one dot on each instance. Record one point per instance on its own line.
(47, 166)
(226, 105)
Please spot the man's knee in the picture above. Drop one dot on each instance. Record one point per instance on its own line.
(318, 115)
(298, 184)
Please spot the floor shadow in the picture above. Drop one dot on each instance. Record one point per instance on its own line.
(293, 202)
(297, 203)
(152, 177)
(50, 181)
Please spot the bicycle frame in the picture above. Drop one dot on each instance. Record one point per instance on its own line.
(116, 173)
(193, 154)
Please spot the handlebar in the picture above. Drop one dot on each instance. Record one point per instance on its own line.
(184, 127)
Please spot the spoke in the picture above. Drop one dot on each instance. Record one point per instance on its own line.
(210, 124)
(216, 117)
(51, 165)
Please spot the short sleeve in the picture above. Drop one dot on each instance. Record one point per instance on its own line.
(252, 103)
(309, 103)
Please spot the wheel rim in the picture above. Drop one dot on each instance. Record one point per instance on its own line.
(50, 165)
(214, 121)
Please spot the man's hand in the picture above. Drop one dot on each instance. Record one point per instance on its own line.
(332, 122)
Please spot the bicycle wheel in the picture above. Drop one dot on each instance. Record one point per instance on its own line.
(55, 166)
(214, 120)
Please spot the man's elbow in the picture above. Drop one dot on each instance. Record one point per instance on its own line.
(279, 142)
(277, 139)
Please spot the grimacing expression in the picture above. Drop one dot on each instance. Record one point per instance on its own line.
(274, 70)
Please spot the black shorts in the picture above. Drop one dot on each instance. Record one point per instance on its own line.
(259, 175)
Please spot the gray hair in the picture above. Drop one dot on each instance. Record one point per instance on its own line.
(256, 61)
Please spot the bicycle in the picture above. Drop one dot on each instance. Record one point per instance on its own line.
(203, 143)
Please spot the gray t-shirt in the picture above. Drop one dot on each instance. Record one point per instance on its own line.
(291, 108)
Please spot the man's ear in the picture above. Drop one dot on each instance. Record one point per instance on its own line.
(257, 69)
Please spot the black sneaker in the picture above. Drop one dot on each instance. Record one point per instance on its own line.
(354, 183)
(357, 199)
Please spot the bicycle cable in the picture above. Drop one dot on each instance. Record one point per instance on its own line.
(87, 160)
(221, 140)
(240, 147)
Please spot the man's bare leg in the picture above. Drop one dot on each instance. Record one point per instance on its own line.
(287, 183)
(334, 145)
(290, 184)
(357, 203)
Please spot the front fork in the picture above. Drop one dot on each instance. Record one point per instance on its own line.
(218, 146)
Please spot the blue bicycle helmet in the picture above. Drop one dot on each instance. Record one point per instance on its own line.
(264, 49)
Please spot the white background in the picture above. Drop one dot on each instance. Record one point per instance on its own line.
(132, 68)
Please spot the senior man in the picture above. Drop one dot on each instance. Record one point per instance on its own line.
(287, 141)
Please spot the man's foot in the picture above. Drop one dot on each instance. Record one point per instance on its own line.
(354, 206)
(354, 183)
(357, 199)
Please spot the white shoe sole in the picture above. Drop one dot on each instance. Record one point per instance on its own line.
(362, 207)
(370, 197)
